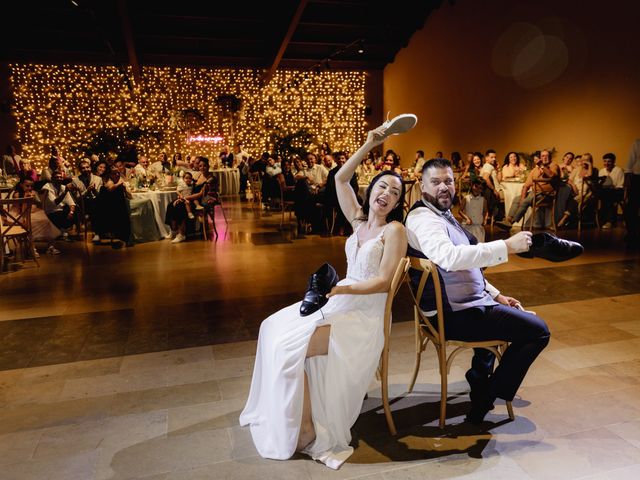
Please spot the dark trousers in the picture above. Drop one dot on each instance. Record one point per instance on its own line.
(609, 208)
(631, 211)
(61, 218)
(528, 335)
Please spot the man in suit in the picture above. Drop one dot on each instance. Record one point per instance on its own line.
(474, 310)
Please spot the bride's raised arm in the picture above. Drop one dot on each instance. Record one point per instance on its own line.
(346, 196)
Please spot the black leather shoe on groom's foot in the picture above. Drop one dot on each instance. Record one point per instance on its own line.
(548, 246)
(320, 283)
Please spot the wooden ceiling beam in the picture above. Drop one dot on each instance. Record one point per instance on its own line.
(127, 30)
(293, 25)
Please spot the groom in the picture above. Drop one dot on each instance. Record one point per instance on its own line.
(474, 310)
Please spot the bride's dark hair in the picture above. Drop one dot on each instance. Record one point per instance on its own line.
(395, 214)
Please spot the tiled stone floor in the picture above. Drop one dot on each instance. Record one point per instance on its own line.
(136, 364)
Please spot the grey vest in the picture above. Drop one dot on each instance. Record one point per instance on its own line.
(462, 288)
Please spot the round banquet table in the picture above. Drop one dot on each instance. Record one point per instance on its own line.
(160, 200)
(228, 179)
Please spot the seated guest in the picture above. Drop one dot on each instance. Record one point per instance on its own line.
(419, 163)
(456, 162)
(328, 162)
(566, 166)
(611, 190)
(12, 164)
(330, 200)
(581, 181)
(142, 169)
(474, 210)
(58, 203)
(544, 170)
(86, 185)
(111, 215)
(392, 162)
(203, 195)
(493, 191)
(511, 167)
(161, 166)
(42, 229)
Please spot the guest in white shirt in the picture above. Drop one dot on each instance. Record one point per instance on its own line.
(58, 203)
(329, 163)
(142, 170)
(611, 190)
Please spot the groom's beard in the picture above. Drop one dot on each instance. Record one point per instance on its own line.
(442, 203)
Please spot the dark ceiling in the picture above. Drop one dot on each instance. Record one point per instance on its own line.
(354, 34)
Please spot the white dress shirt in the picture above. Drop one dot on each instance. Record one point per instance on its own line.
(427, 232)
(616, 177)
(50, 193)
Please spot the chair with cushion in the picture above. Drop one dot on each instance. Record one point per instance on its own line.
(15, 226)
(383, 367)
(432, 330)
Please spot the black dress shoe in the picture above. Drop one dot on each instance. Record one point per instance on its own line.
(320, 283)
(548, 246)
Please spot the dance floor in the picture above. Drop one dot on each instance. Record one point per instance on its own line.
(135, 363)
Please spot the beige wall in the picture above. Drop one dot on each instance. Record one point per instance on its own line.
(520, 76)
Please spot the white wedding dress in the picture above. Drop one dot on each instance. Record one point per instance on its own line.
(338, 381)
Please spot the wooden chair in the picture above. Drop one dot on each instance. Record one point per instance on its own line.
(255, 182)
(586, 194)
(408, 186)
(15, 226)
(285, 205)
(425, 331)
(547, 201)
(383, 367)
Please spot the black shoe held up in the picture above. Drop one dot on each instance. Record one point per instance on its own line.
(548, 246)
(320, 283)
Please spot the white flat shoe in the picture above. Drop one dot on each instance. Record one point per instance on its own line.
(400, 124)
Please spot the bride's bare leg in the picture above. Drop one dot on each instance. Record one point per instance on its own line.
(318, 345)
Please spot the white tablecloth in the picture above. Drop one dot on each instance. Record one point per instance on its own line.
(228, 179)
(160, 201)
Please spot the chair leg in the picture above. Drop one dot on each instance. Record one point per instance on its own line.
(416, 367)
(443, 385)
(213, 221)
(385, 392)
(224, 215)
(510, 411)
(205, 225)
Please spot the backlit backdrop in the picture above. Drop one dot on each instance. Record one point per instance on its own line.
(65, 105)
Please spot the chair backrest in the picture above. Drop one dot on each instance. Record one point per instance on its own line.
(396, 282)
(15, 212)
(537, 188)
(428, 269)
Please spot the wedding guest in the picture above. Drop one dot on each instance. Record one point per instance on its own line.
(204, 192)
(611, 190)
(493, 192)
(456, 161)
(511, 167)
(111, 216)
(566, 166)
(544, 170)
(581, 182)
(58, 203)
(12, 163)
(86, 185)
(419, 162)
(42, 228)
(474, 210)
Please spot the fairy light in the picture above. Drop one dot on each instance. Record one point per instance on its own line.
(64, 105)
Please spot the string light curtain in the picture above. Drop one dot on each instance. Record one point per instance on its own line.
(65, 105)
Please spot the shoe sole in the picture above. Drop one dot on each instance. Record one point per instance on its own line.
(401, 124)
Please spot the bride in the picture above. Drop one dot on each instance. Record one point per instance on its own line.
(311, 373)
